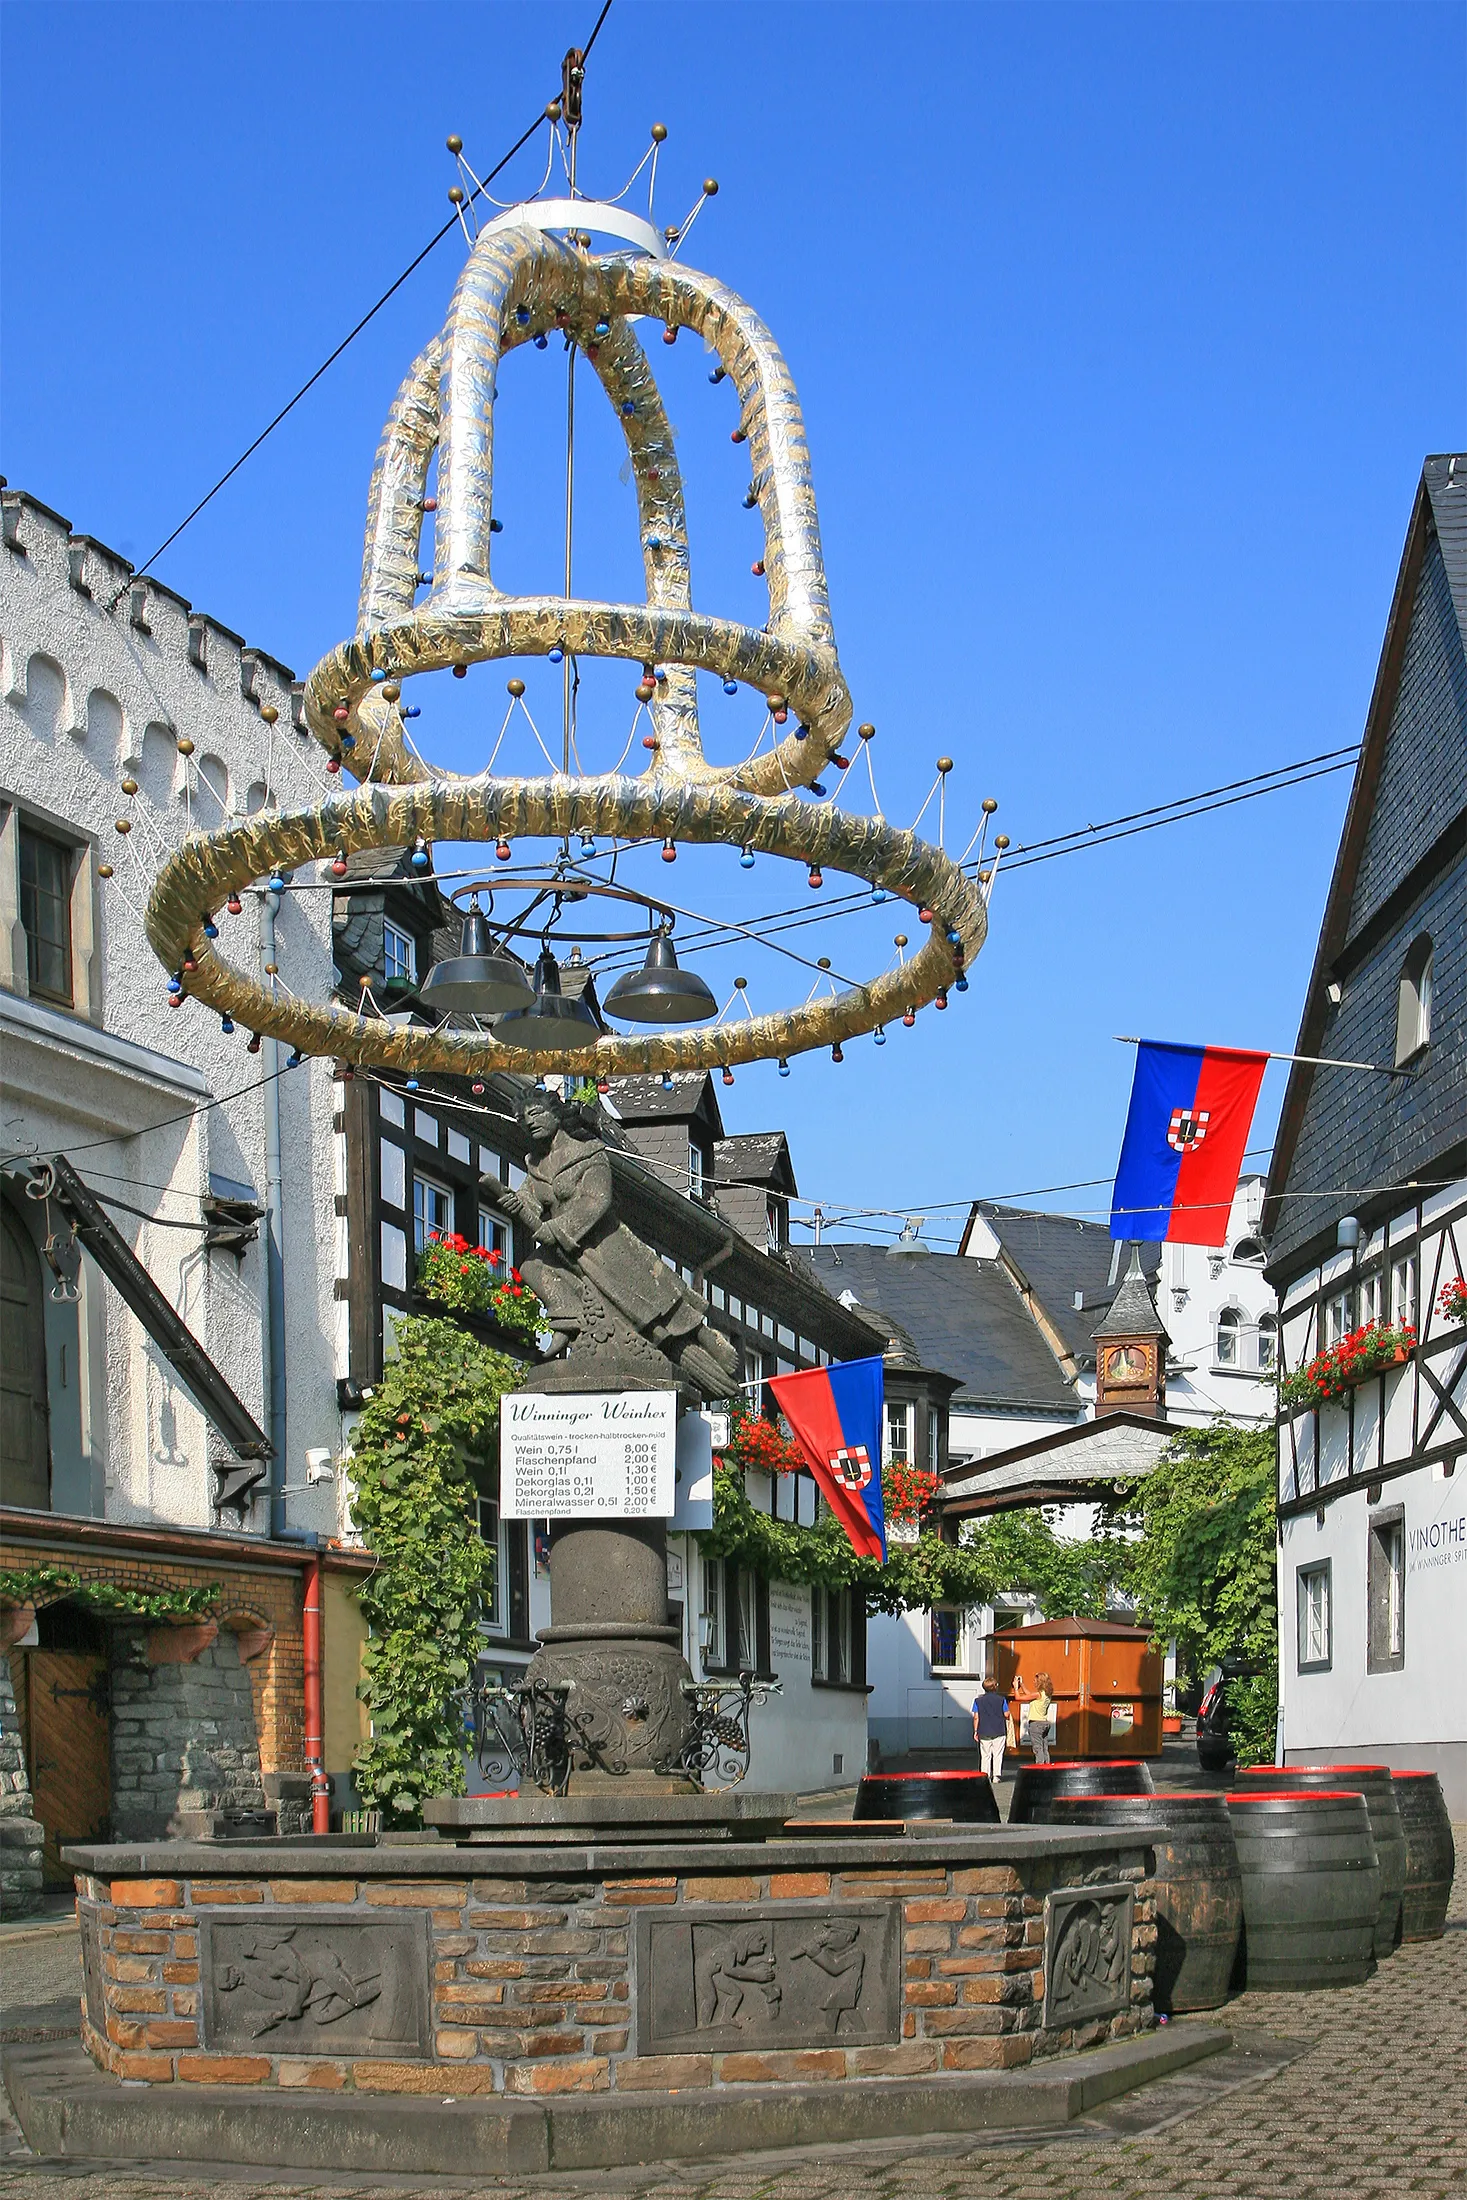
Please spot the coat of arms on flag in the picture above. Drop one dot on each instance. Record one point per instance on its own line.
(1188, 1128)
(852, 1464)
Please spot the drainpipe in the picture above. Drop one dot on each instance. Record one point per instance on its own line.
(315, 1708)
(269, 905)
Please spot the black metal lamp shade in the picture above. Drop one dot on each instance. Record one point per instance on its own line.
(661, 992)
(478, 980)
(550, 1021)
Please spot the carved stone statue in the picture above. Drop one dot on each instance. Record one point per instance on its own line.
(622, 1319)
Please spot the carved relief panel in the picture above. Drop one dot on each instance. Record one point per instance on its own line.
(1087, 1954)
(715, 1979)
(316, 1983)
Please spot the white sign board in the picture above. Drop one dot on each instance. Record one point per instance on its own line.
(603, 1455)
(694, 1506)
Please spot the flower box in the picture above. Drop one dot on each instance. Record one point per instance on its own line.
(1364, 1353)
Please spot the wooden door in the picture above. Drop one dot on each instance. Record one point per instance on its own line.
(65, 1715)
(25, 1439)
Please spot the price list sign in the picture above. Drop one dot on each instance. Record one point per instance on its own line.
(607, 1455)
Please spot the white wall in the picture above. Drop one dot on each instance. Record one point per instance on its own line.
(1416, 1716)
(86, 697)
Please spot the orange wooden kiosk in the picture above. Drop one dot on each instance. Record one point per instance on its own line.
(1106, 1679)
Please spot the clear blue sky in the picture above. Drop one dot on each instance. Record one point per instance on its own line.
(1121, 332)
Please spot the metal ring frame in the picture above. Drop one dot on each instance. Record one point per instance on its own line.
(518, 281)
(571, 887)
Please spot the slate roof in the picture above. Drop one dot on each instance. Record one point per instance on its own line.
(1066, 1466)
(643, 1099)
(1057, 1255)
(755, 1157)
(963, 1316)
(1133, 1309)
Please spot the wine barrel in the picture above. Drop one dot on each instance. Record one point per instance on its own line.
(1199, 1888)
(1038, 1785)
(965, 1797)
(1375, 1784)
(1431, 1856)
(1311, 1887)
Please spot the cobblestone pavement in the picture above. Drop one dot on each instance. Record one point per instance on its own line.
(1375, 2104)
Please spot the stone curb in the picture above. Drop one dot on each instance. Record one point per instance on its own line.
(71, 2111)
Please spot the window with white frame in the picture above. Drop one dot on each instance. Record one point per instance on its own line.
(1314, 1617)
(898, 1432)
(934, 1433)
(711, 1627)
(1248, 1253)
(697, 1170)
(947, 1637)
(1371, 1293)
(1386, 1591)
(837, 1636)
(399, 956)
(1403, 1289)
(1413, 1000)
(1339, 1316)
(492, 1531)
(493, 1233)
(432, 1211)
(1268, 1342)
(1227, 1344)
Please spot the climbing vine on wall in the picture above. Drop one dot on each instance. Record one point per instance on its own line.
(918, 1574)
(50, 1584)
(434, 1413)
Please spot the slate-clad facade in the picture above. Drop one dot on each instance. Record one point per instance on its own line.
(1366, 1215)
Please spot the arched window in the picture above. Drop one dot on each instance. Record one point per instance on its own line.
(1229, 1327)
(1268, 1342)
(1413, 1001)
(1248, 1253)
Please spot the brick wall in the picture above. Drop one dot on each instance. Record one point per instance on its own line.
(268, 1594)
(533, 1978)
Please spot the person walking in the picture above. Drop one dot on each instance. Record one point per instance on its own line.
(1041, 1720)
(990, 1729)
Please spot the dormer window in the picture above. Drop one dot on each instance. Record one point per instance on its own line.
(399, 959)
(1413, 1001)
(1248, 1253)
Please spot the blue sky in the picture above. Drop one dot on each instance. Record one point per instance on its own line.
(1121, 332)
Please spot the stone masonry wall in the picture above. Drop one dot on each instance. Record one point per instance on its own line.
(20, 1835)
(184, 1741)
(533, 1979)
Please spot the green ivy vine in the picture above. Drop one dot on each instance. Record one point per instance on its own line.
(915, 1575)
(109, 1598)
(434, 1413)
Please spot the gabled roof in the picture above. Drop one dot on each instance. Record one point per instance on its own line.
(755, 1157)
(1431, 588)
(647, 1100)
(1068, 1466)
(962, 1315)
(1054, 1256)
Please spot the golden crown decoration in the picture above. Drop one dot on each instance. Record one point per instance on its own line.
(587, 272)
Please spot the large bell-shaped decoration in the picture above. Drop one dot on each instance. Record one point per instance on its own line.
(661, 992)
(550, 1022)
(479, 980)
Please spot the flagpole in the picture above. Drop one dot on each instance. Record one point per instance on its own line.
(1320, 1061)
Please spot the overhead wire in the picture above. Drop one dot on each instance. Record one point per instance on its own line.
(330, 360)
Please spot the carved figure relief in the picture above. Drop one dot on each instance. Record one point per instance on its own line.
(317, 1984)
(714, 1978)
(618, 1314)
(1087, 1958)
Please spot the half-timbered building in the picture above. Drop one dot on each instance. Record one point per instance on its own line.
(1366, 1216)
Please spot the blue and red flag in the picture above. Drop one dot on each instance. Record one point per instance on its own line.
(1191, 1109)
(835, 1414)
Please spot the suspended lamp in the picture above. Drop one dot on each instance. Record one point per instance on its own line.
(550, 1021)
(479, 980)
(661, 992)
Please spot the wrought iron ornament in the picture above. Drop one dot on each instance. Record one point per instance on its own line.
(535, 1731)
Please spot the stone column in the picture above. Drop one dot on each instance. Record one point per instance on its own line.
(21, 1836)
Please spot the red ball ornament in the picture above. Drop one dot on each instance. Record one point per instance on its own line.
(234, 905)
(333, 763)
(910, 1018)
(817, 876)
(502, 851)
(941, 1001)
(669, 851)
(476, 1089)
